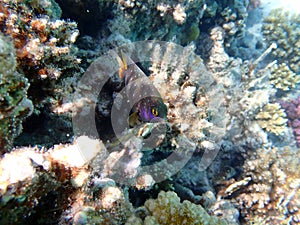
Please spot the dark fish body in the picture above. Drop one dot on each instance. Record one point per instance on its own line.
(148, 104)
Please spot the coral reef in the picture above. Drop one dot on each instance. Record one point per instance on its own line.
(39, 183)
(167, 209)
(14, 104)
(107, 200)
(43, 44)
(283, 29)
(271, 194)
(179, 21)
(283, 78)
(292, 109)
(44, 52)
(272, 118)
(180, 85)
(224, 154)
(245, 93)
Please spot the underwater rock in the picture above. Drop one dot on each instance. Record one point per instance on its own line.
(87, 13)
(14, 104)
(178, 21)
(99, 202)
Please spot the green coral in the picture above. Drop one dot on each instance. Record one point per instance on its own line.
(272, 118)
(284, 29)
(14, 105)
(283, 78)
(167, 209)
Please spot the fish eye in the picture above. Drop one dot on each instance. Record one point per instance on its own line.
(154, 112)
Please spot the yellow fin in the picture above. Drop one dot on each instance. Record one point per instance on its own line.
(133, 119)
(123, 64)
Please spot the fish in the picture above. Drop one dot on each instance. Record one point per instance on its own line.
(148, 105)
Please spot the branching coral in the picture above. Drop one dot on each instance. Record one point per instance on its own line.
(283, 29)
(283, 78)
(272, 118)
(292, 110)
(14, 105)
(167, 209)
(272, 195)
(188, 89)
(245, 92)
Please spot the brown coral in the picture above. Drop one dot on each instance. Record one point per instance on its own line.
(272, 195)
(38, 39)
(272, 118)
(282, 77)
(167, 209)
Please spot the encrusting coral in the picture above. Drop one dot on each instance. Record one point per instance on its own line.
(167, 209)
(283, 28)
(272, 118)
(14, 104)
(41, 42)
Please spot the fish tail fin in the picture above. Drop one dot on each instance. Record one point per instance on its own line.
(123, 64)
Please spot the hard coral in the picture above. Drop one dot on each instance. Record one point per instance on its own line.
(167, 209)
(283, 78)
(272, 118)
(173, 20)
(188, 89)
(35, 185)
(42, 44)
(272, 194)
(14, 104)
(245, 93)
(283, 29)
(44, 54)
(292, 110)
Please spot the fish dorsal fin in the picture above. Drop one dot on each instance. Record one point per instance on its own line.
(122, 63)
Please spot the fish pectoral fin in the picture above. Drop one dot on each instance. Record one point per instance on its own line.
(133, 119)
(122, 63)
